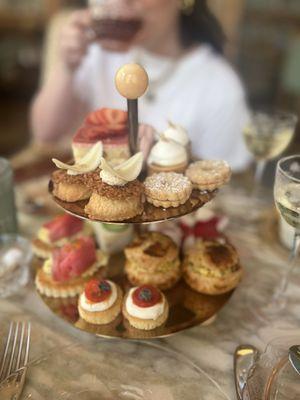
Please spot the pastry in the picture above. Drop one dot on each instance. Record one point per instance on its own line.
(101, 302)
(167, 189)
(69, 182)
(177, 133)
(145, 307)
(109, 126)
(116, 193)
(209, 174)
(153, 258)
(65, 273)
(58, 232)
(167, 156)
(212, 267)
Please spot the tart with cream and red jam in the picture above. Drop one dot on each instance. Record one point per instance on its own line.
(145, 307)
(57, 232)
(68, 269)
(101, 302)
(108, 126)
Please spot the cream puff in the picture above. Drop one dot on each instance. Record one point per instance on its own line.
(65, 273)
(57, 233)
(145, 307)
(101, 302)
(212, 267)
(153, 258)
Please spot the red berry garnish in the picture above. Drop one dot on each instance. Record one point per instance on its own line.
(97, 290)
(146, 296)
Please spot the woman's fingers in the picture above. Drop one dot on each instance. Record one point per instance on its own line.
(146, 138)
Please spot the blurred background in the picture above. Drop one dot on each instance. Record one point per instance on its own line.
(263, 45)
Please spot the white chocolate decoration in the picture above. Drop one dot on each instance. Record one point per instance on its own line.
(123, 173)
(88, 163)
(177, 133)
(167, 153)
(101, 306)
(152, 312)
(131, 81)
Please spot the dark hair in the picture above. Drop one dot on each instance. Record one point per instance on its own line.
(200, 25)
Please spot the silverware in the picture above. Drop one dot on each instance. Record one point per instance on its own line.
(244, 357)
(14, 360)
(294, 357)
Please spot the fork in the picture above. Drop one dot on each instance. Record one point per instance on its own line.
(16, 351)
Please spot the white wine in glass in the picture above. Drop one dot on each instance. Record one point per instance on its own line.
(287, 200)
(267, 135)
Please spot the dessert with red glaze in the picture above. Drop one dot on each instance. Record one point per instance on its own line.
(108, 126)
(101, 301)
(145, 307)
(57, 232)
(65, 273)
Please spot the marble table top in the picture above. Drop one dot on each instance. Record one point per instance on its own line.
(67, 363)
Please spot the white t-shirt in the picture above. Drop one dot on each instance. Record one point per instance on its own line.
(201, 92)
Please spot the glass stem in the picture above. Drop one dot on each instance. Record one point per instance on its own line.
(259, 171)
(292, 264)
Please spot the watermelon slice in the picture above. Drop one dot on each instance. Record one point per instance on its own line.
(73, 259)
(63, 226)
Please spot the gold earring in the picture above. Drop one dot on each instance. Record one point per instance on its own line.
(187, 6)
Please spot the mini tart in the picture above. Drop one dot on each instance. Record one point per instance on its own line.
(155, 168)
(114, 203)
(211, 267)
(141, 323)
(153, 258)
(209, 174)
(167, 189)
(43, 249)
(105, 316)
(70, 188)
(47, 286)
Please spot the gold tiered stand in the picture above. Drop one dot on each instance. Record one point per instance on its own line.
(187, 307)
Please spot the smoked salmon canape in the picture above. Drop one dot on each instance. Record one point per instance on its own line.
(101, 301)
(70, 267)
(145, 307)
(58, 232)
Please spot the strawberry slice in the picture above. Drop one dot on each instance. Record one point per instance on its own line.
(97, 290)
(63, 226)
(146, 296)
(73, 259)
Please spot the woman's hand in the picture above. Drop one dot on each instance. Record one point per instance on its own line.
(146, 138)
(75, 39)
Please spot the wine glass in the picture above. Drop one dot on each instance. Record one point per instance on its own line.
(267, 135)
(287, 199)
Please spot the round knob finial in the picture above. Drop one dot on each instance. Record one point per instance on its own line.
(131, 81)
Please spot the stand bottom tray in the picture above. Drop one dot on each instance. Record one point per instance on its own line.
(187, 309)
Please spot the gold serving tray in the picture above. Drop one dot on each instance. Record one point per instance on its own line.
(150, 214)
(187, 309)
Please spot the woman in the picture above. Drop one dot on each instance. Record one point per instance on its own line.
(190, 82)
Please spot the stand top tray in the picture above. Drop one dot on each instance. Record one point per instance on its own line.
(150, 214)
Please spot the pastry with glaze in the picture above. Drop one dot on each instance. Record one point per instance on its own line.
(145, 307)
(101, 302)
